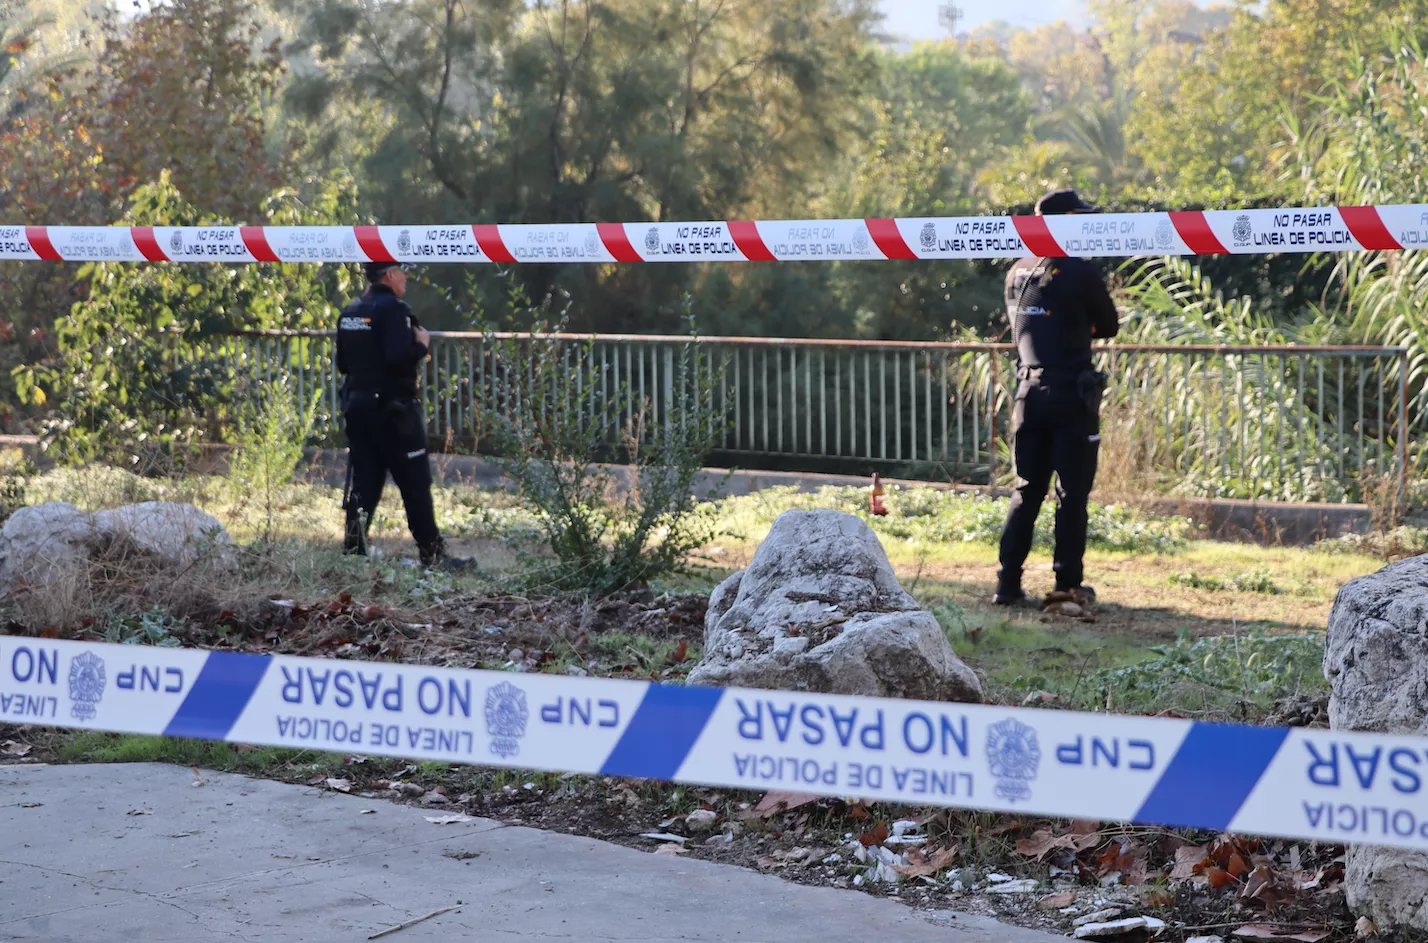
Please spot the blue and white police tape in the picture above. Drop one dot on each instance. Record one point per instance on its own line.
(1300, 783)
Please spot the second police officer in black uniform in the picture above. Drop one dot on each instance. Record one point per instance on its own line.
(1056, 307)
(380, 347)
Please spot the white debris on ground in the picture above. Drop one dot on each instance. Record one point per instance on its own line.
(1096, 931)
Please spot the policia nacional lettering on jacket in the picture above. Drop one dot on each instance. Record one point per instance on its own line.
(378, 355)
(1056, 306)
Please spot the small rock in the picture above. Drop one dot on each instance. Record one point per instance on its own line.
(575, 671)
(516, 655)
(796, 645)
(1093, 931)
(1070, 609)
(702, 820)
(409, 789)
(996, 878)
(1025, 886)
(724, 839)
(1100, 916)
(1206, 939)
(434, 798)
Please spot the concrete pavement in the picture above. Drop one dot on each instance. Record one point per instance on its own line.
(252, 860)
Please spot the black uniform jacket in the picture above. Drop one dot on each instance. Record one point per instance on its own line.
(1056, 307)
(377, 351)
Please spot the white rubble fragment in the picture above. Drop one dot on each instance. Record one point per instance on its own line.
(1024, 886)
(1113, 928)
(1099, 916)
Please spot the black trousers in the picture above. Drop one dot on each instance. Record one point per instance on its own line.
(382, 437)
(1053, 430)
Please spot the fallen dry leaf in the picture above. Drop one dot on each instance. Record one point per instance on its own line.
(1218, 877)
(681, 652)
(15, 748)
(875, 835)
(1057, 901)
(1042, 843)
(1188, 862)
(1237, 866)
(197, 779)
(670, 850)
(453, 819)
(1365, 927)
(339, 785)
(777, 801)
(922, 864)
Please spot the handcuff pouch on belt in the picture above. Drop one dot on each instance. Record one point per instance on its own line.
(1090, 387)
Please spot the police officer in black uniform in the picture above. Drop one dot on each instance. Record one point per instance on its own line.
(1056, 307)
(380, 347)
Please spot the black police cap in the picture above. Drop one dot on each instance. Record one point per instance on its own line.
(1061, 202)
(375, 270)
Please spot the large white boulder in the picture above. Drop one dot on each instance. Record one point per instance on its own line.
(1376, 660)
(819, 609)
(46, 543)
(41, 544)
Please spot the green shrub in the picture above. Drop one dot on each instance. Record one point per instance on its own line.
(273, 427)
(1241, 673)
(604, 532)
(1258, 581)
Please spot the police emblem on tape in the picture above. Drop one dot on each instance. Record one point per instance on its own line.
(1013, 757)
(349, 245)
(176, 241)
(592, 244)
(86, 684)
(404, 241)
(860, 240)
(928, 237)
(1242, 230)
(506, 717)
(652, 239)
(1164, 234)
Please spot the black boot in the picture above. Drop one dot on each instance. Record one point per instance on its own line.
(435, 557)
(354, 540)
(1009, 591)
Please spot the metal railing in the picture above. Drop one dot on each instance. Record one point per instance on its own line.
(1288, 423)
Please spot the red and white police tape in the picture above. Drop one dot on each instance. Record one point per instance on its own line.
(1214, 232)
